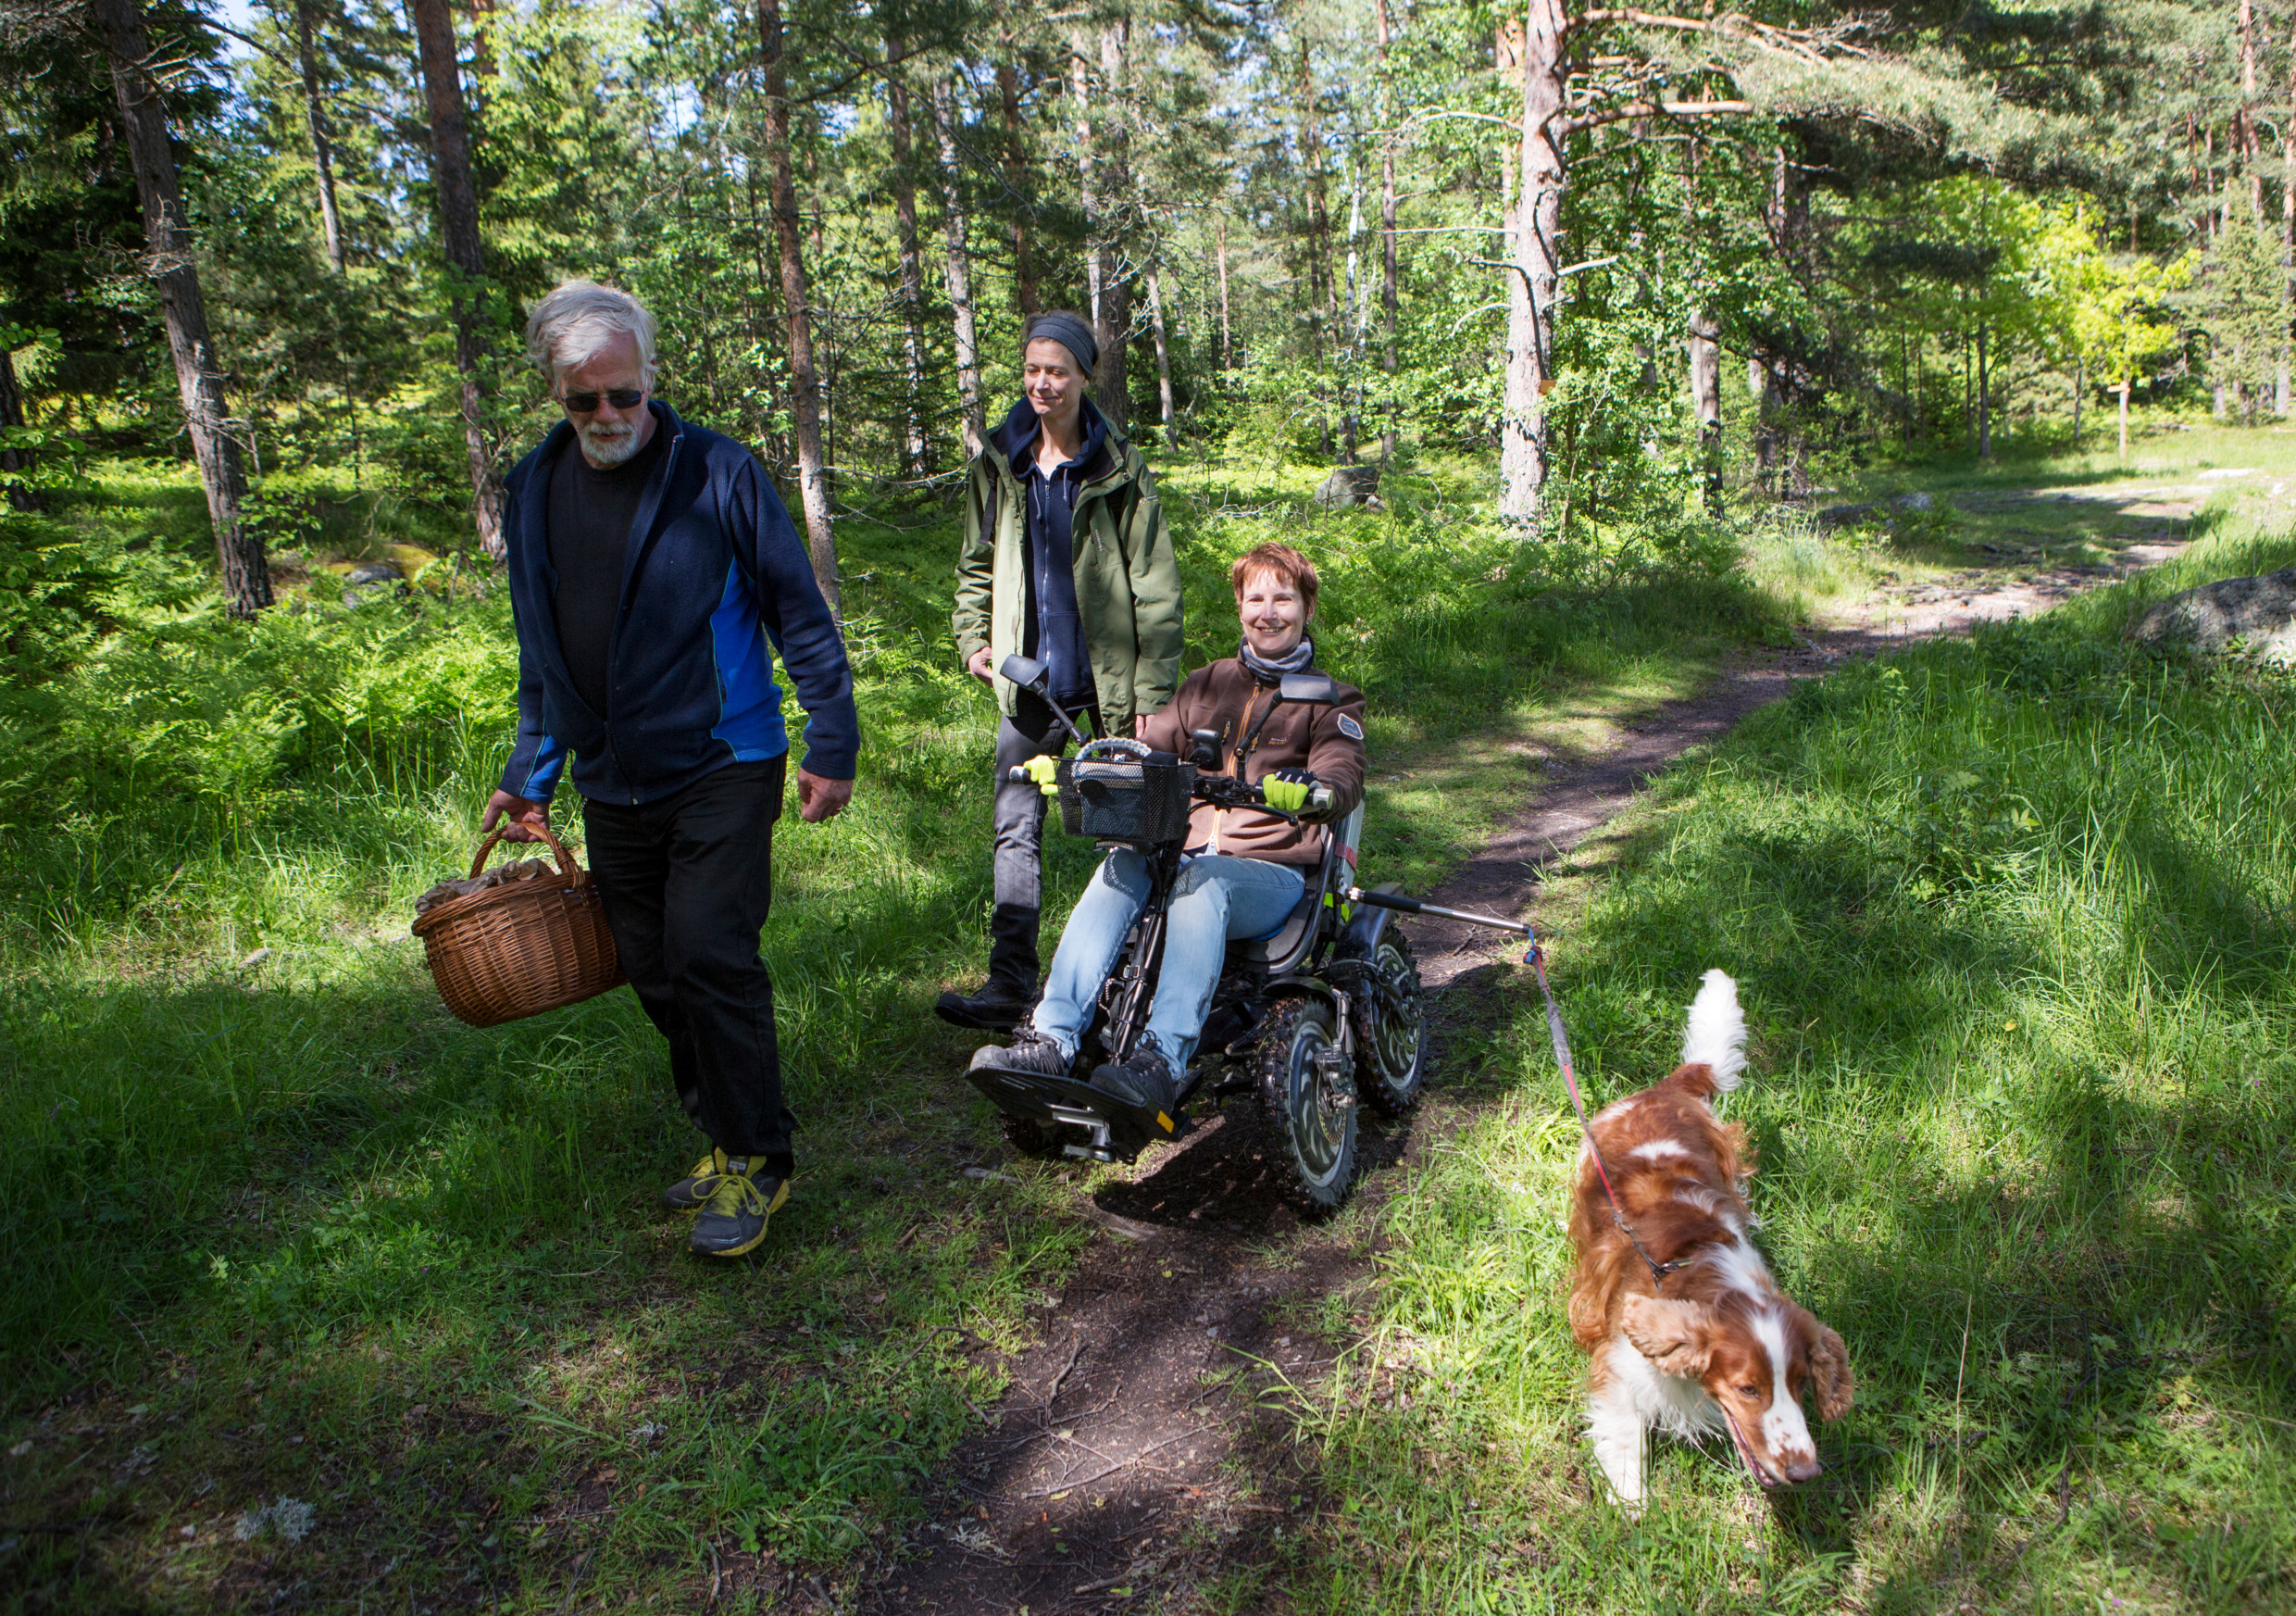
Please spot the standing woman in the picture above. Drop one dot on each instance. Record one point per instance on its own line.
(1068, 559)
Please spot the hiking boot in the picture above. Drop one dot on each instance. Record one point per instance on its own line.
(1142, 1080)
(1031, 1054)
(996, 1009)
(687, 1194)
(734, 1217)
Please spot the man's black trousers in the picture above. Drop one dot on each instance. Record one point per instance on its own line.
(687, 882)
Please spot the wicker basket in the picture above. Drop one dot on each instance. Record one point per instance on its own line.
(523, 947)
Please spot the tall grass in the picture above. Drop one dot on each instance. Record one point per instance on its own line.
(2015, 925)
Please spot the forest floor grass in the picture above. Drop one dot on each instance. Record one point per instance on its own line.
(321, 1298)
(324, 1298)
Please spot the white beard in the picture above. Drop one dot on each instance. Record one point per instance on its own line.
(606, 448)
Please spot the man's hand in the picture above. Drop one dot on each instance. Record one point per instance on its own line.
(524, 814)
(978, 666)
(819, 799)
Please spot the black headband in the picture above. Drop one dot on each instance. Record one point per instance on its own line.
(1059, 326)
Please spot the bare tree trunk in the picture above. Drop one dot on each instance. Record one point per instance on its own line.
(960, 271)
(175, 277)
(15, 463)
(1985, 399)
(805, 386)
(1113, 313)
(458, 230)
(1163, 358)
(1389, 301)
(2124, 418)
(1705, 356)
(1095, 252)
(918, 455)
(1538, 245)
(1322, 293)
(2244, 115)
(322, 144)
(1228, 332)
(1768, 450)
(1023, 193)
(2080, 386)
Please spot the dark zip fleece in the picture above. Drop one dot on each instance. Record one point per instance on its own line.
(716, 581)
(1055, 620)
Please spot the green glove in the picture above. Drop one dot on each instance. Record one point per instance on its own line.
(1286, 790)
(1040, 769)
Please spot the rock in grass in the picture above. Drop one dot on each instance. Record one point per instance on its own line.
(375, 572)
(1348, 486)
(2261, 611)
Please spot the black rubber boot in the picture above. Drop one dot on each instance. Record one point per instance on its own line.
(1010, 991)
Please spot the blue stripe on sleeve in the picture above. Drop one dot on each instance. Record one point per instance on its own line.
(749, 701)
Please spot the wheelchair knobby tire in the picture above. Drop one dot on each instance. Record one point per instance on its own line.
(1317, 1137)
(1390, 1048)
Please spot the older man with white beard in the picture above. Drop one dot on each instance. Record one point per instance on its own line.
(654, 573)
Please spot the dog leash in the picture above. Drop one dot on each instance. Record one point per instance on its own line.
(1537, 960)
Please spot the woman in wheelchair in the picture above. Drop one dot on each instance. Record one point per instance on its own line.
(1244, 868)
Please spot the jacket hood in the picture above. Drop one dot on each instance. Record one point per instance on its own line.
(1102, 448)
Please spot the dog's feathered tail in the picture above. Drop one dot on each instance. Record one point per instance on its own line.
(1717, 1034)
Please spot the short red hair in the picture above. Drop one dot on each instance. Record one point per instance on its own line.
(1286, 563)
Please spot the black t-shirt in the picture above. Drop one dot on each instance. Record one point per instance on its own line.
(590, 516)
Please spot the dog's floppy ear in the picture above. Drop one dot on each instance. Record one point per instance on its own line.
(1829, 1373)
(1673, 1335)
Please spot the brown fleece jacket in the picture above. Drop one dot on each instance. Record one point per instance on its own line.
(1325, 737)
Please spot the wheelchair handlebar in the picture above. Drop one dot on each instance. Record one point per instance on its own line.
(1228, 793)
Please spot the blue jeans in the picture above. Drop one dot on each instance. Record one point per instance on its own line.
(1213, 900)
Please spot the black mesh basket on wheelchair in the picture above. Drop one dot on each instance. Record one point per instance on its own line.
(1141, 801)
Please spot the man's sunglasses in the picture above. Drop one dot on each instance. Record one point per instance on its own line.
(619, 397)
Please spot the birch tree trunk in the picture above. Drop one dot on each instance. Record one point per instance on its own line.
(917, 455)
(322, 142)
(458, 233)
(1706, 358)
(1389, 301)
(1017, 180)
(1985, 398)
(175, 277)
(960, 270)
(1537, 243)
(1228, 332)
(2124, 418)
(805, 385)
(1163, 358)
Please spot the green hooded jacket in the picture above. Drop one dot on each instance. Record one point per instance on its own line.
(1128, 582)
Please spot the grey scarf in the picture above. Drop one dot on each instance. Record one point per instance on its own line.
(1264, 671)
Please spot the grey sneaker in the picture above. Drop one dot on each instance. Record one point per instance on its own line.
(734, 1217)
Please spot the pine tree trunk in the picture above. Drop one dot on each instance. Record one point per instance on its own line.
(1023, 198)
(2244, 115)
(1390, 299)
(458, 230)
(322, 144)
(1164, 358)
(15, 464)
(805, 386)
(960, 271)
(1111, 382)
(1538, 243)
(918, 448)
(1088, 202)
(175, 277)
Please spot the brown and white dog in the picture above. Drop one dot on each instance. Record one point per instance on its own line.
(1715, 1345)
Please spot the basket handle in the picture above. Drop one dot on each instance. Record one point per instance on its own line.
(567, 867)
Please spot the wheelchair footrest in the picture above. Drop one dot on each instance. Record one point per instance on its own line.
(1094, 1125)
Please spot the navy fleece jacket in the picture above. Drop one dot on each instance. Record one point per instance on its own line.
(714, 570)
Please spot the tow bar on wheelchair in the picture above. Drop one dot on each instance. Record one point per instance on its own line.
(1412, 906)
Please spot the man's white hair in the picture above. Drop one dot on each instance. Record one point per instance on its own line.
(577, 319)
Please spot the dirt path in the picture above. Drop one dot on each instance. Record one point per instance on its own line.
(1141, 1450)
